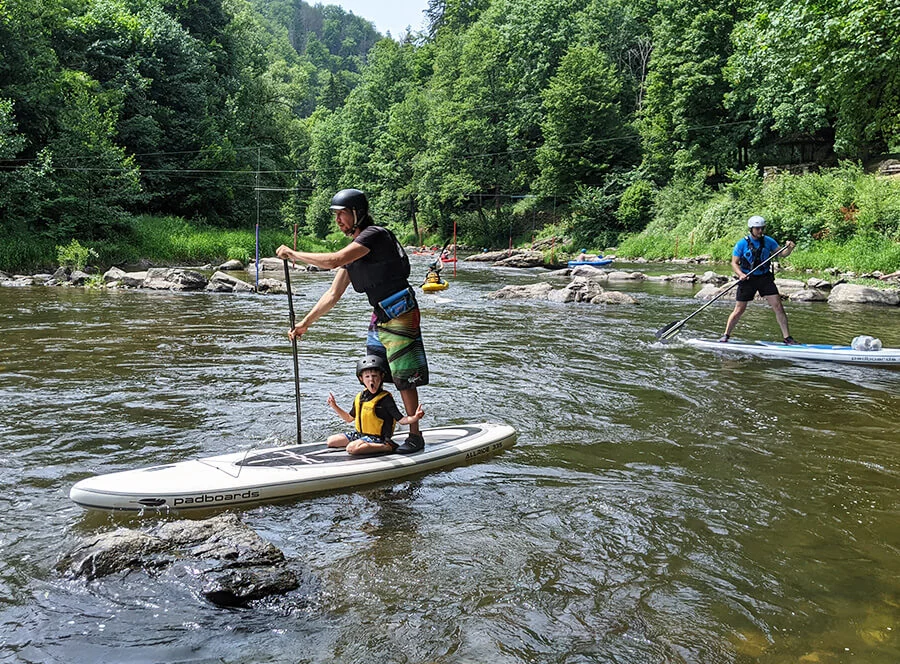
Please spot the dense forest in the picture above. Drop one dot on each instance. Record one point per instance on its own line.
(591, 119)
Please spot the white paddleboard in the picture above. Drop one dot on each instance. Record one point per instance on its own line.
(819, 352)
(256, 476)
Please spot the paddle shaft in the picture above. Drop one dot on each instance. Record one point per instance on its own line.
(287, 283)
(672, 329)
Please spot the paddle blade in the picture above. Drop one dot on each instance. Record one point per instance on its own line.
(669, 330)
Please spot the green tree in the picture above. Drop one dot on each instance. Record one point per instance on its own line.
(585, 136)
(821, 66)
(97, 181)
(25, 185)
(684, 126)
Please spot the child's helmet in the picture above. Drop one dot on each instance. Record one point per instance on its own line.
(370, 362)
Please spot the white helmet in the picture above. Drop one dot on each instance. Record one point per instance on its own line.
(756, 222)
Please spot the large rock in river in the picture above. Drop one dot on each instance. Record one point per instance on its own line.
(231, 564)
(226, 283)
(597, 274)
(580, 289)
(180, 279)
(522, 259)
(855, 294)
(537, 291)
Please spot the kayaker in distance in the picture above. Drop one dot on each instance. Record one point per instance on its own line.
(374, 411)
(375, 264)
(750, 252)
(434, 273)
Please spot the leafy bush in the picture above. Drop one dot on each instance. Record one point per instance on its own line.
(860, 254)
(716, 220)
(839, 218)
(636, 206)
(594, 216)
(677, 206)
(74, 255)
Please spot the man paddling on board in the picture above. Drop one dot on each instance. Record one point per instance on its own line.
(749, 253)
(375, 264)
(374, 413)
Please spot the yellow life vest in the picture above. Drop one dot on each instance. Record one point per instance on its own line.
(367, 422)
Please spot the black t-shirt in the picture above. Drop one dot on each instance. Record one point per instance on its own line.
(384, 270)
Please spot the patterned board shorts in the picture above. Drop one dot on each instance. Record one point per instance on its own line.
(399, 340)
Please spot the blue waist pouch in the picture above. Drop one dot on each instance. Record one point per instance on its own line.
(396, 305)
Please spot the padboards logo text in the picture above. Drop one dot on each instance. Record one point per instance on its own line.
(213, 498)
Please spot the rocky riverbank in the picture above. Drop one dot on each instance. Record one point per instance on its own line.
(587, 283)
(586, 280)
(225, 278)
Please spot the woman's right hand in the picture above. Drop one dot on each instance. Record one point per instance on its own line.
(284, 252)
(297, 331)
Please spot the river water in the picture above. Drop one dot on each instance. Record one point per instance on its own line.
(662, 504)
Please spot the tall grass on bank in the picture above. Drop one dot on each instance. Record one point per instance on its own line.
(23, 253)
(171, 239)
(860, 254)
(840, 217)
(161, 240)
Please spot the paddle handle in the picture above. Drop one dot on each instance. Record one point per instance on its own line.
(287, 283)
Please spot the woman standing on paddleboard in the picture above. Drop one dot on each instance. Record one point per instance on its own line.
(375, 264)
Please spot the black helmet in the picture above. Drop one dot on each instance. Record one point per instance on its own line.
(370, 362)
(351, 199)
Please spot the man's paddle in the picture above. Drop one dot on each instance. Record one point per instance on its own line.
(287, 283)
(670, 330)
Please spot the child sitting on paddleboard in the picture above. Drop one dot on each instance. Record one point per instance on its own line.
(374, 411)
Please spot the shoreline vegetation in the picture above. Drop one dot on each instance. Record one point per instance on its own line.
(842, 220)
(637, 126)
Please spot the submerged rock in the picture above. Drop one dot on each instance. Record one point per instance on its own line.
(580, 289)
(614, 297)
(597, 274)
(239, 566)
(273, 286)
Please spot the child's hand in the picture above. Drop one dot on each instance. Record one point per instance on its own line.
(330, 400)
(420, 413)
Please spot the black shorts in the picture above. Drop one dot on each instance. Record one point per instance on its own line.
(764, 284)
